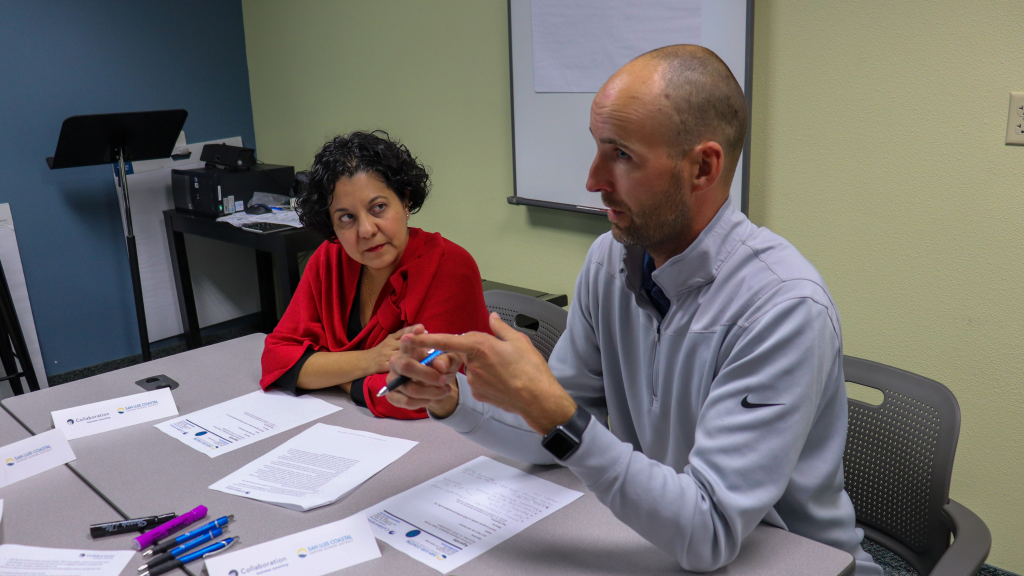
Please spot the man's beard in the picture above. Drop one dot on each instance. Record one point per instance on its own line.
(660, 223)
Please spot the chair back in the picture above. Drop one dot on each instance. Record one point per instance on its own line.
(542, 321)
(899, 460)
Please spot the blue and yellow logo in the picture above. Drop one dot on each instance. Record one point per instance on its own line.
(120, 410)
(10, 461)
(303, 552)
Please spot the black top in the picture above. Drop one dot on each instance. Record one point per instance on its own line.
(289, 381)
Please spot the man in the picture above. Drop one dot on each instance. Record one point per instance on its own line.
(710, 347)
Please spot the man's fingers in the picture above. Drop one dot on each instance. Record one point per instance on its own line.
(424, 391)
(503, 331)
(447, 363)
(467, 344)
(407, 366)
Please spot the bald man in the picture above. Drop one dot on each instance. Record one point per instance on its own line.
(710, 346)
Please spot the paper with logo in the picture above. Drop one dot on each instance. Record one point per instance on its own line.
(107, 415)
(31, 456)
(312, 552)
(448, 521)
(239, 422)
(18, 560)
(315, 468)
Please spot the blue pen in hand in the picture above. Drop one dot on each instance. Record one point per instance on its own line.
(179, 562)
(181, 550)
(394, 384)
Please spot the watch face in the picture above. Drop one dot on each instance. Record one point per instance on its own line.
(560, 444)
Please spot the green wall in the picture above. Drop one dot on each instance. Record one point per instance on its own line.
(877, 150)
(434, 74)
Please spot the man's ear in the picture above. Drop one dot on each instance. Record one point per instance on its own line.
(709, 160)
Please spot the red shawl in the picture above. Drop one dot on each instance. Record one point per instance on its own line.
(436, 283)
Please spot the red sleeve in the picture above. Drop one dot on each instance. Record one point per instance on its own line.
(455, 305)
(301, 326)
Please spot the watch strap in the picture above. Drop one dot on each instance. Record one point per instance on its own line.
(563, 441)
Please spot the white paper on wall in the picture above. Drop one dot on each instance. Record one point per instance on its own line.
(223, 275)
(578, 44)
(10, 257)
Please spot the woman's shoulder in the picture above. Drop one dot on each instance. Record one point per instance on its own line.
(324, 254)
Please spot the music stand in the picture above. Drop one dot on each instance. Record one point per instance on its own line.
(97, 139)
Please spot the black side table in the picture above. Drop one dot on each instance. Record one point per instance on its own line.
(286, 244)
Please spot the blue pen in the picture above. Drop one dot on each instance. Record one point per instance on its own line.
(400, 380)
(178, 563)
(164, 547)
(180, 550)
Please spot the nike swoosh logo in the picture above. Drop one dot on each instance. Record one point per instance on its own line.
(747, 404)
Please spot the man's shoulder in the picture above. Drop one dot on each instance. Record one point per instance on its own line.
(765, 270)
(606, 252)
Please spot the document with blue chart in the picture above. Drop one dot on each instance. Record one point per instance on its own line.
(457, 516)
(239, 422)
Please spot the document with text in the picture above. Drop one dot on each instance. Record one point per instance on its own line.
(459, 515)
(18, 560)
(239, 422)
(315, 468)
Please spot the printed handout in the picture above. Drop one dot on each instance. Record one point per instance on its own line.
(315, 468)
(18, 560)
(239, 422)
(459, 515)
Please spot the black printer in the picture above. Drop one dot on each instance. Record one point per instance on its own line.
(215, 191)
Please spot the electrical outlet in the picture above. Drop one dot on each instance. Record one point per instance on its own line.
(1015, 119)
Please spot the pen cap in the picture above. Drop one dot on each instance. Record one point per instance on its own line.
(166, 528)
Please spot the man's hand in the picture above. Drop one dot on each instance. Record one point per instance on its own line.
(505, 371)
(433, 386)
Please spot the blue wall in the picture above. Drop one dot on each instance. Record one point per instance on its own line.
(65, 58)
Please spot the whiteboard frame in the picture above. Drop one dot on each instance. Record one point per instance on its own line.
(748, 75)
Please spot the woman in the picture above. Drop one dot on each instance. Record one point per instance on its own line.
(373, 277)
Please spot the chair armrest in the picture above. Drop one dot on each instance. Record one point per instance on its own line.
(971, 542)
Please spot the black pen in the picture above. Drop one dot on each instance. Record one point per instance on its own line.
(401, 380)
(178, 563)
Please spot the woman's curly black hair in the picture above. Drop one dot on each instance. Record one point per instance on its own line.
(359, 152)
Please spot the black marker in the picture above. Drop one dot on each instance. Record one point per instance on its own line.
(125, 526)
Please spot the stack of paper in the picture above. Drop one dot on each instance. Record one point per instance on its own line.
(315, 468)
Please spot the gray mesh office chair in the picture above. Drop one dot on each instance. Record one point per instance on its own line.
(542, 321)
(898, 463)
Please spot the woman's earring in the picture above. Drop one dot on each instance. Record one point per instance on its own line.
(407, 215)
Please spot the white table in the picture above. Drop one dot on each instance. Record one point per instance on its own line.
(55, 508)
(144, 471)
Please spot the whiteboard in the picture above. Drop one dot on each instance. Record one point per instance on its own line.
(551, 142)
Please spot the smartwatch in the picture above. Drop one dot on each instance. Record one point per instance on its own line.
(564, 439)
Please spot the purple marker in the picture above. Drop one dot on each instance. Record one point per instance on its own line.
(197, 513)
